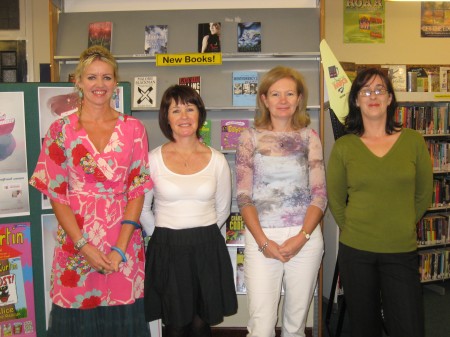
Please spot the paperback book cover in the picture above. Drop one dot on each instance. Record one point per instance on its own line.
(192, 81)
(209, 37)
(230, 130)
(205, 133)
(235, 229)
(144, 92)
(444, 73)
(421, 75)
(397, 74)
(100, 33)
(245, 88)
(156, 38)
(249, 37)
(17, 315)
(240, 267)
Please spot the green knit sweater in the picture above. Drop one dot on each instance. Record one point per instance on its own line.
(386, 195)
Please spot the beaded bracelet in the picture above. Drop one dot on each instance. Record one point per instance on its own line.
(121, 253)
(131, 222)
(263, 247)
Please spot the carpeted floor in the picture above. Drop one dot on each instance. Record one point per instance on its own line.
(437, 315)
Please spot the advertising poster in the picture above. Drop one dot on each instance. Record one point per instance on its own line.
(17, 316)
(364, 21)
(435, 19)
(14, 199)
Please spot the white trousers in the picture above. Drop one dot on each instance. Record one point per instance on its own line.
(264, 277)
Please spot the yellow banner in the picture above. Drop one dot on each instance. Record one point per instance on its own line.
(336, 80)
(193, 59)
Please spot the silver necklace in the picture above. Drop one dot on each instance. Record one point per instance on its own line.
(186, 160)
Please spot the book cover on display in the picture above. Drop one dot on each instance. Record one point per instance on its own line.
(192, 81)
(245, 88)
(156, 38)
(205, 133)
(230, 130)
(100, 33)
(17, 315)
(144, 92)
(397, 74)
(249, 37)
(235, 229)
(240, 268)
(209, 37)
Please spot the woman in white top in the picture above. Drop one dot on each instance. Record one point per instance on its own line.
(189, 277)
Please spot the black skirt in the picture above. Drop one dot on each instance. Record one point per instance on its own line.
(112, 321)
(188, 272)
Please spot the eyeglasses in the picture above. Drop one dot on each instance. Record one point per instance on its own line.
(368, 92)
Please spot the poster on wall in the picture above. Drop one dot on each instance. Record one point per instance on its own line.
(364, 21)
(17, 316)
(49, 225)
(14, 199)
(435, 19)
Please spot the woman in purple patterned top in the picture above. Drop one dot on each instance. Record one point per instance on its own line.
(281, 194)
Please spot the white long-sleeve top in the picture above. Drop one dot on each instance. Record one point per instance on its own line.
(187, 201)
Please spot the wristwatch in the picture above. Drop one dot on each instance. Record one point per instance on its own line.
(80, 243)
(307, 236)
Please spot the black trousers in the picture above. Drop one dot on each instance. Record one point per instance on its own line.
(388, 281)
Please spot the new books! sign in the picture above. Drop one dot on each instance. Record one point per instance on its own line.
(192, 59)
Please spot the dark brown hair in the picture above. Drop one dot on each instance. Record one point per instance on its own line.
(180, 94)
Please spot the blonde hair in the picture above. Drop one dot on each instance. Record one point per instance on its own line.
(92, 54)
(301, 117)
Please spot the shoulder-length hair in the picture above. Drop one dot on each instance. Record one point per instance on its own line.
(180, 94)
(354, 122)
(301, 117)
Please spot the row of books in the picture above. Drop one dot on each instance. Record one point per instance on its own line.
(429, 120)
(439, 153)
(156, 37)
(427, 78)
(434, 265)
(441, 191)
(433, 230)
(244, 89)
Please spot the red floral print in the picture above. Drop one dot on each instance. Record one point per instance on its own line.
(70, 278)
(98, 174)
(91, 302)
(61, 189)
(133, 174)
(69, 247)
(80, 220)
(56, 154)
(38, 183)
(77, 153)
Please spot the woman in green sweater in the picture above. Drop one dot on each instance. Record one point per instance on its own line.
(379, 183)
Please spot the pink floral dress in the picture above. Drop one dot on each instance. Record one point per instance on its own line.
(96, 186)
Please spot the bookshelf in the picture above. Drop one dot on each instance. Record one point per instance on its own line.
(428, 113)
(290, 37)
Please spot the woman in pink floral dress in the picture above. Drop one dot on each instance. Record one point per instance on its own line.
(94, 168)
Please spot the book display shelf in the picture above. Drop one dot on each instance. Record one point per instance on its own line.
(428, 113)
(287, 36)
